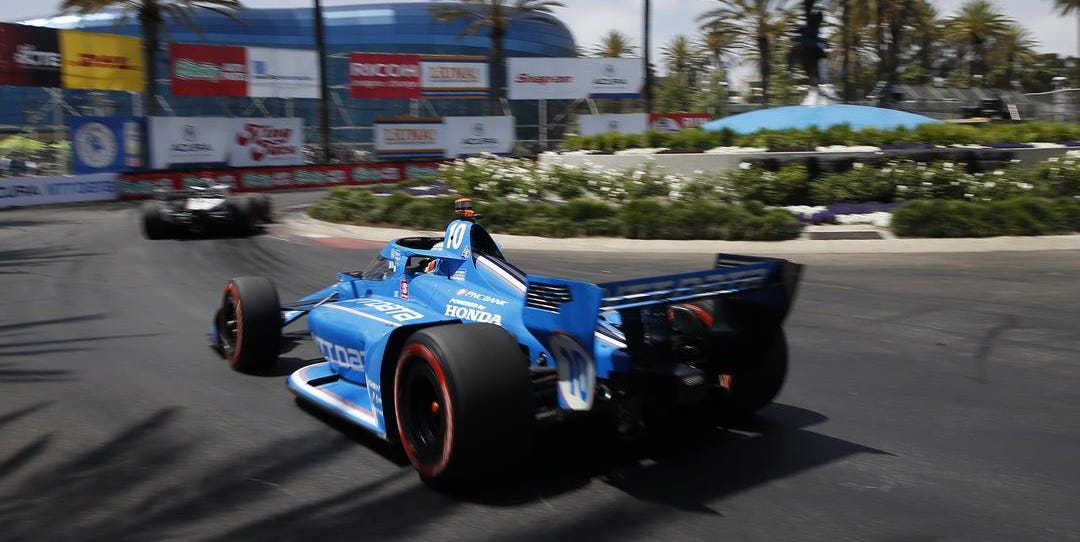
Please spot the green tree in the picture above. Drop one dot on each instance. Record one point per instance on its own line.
(974, 29)
(494, 17)
(683, 60)
(152, 15)
(756, 24)
(614, 44)
(1015, 47)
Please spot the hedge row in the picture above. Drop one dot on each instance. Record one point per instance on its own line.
(1016, 216)
(695, 139)
(644, 218)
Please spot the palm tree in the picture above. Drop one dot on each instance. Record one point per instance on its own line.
(756, 24)
(974, 28)
(1068, 6)
(495, 16)
(925, 35)
(720, 43)
(614, 44)
(151, 15)
(1015, 46)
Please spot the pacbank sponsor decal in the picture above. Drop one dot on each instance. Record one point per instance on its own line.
(469, 305)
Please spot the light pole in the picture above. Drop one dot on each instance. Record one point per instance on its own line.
(324, 87)
(648, 72)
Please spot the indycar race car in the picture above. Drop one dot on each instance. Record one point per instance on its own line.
(204, 210)
(443, 345)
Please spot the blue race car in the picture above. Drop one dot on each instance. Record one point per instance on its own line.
(443, 345)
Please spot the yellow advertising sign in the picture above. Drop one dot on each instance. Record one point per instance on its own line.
(101, 61)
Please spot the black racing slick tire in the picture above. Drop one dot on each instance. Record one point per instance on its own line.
(248, 324)
(463, 402)
(244, 215)
(154, 226)
(758, 381)
(265, 208)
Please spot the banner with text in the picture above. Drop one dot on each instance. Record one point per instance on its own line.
(384, 75)
(29, 56)
(101, 61)
(673, 122)
(574, 78)
(25, 191)
(454, 77)
(208, 70)
(624, 123)
(408, 137)
(142, 185)
(468, 136)
(106, 144)
(193, 142)
(282, 73)
(267, 142)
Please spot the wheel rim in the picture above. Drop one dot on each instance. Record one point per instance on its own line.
(425, 415)
(229, 324)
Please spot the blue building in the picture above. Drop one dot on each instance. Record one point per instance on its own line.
(391, 27)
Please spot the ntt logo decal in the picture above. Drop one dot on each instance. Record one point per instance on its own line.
(384, 70)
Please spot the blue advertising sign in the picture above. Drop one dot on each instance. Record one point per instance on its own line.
(107, 144)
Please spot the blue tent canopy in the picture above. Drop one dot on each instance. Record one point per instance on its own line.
(822, 116)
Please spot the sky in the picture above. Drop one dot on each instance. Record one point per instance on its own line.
(590, 19)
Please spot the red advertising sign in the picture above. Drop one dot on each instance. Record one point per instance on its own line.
(673, 122)
(29, 56)
(208, 70)
(380, 75)
(142, 185)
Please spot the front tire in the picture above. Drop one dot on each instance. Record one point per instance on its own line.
(248, 324)
(154, 226)
(463, 401)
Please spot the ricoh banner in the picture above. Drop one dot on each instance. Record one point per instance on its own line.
(282, 73)
(574, 78)
(208, 70)
(207, 142)
(26, 191)
(409, 137)
(101, 61)
(29, 56)
(405, 76)
(468, 136)
(625, 123)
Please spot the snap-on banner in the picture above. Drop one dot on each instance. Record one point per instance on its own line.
(26, 191)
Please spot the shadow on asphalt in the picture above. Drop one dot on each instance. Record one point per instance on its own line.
(154, 481)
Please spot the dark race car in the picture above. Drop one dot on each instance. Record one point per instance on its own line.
(443, 345)
(204, 211)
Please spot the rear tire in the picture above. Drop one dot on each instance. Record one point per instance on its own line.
(248, 324)
(154, 226)
(463, 402)
(755, 386)
(244, 213)
(265, 208)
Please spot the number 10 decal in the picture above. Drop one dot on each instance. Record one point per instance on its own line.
(455, 235)
(576, 370)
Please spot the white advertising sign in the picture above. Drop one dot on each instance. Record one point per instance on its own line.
(466, 136)
(410, 137)
(282, 73)
(574, 78)
(454, 78)
(25, 191)
(625, 123)
(267, 142)
(190, 141)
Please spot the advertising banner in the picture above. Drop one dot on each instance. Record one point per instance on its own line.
(467, 136)
(106, 144)
(383, 75)
(208, 70)
(574, 78)
(29, 56)
(189, 141)
(142, 185)
(101, 61)
(21, 192)
(407, 137)
(454, 77)
(267, 142)
(282, 73)
(625, 123)
(673, 122)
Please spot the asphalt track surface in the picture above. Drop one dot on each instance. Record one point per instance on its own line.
(930, 398)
